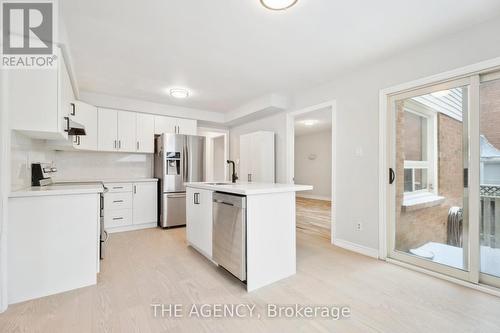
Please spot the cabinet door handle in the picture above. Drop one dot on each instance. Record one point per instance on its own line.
(135, 189)
(197, 198)
(117, 187)
(67, 124)
(137, 145)
(73, 109)
(118, 201)
(117, 218)
(392, 176)
(119, 144)
(78, 140)
(114, 144)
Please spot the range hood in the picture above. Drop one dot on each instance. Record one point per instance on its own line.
(74, 128)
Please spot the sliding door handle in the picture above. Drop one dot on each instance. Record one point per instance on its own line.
(392, 176)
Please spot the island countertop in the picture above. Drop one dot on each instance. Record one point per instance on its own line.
(249, 188)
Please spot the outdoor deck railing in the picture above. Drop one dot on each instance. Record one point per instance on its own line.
(490, 216)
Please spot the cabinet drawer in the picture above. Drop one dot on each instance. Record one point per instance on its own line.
(118, 187)
(117, 200)
(117, 218)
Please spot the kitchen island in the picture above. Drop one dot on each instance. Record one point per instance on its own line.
(270, 226)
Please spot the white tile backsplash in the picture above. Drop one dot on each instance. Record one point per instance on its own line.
(99, 165)
(74, 165)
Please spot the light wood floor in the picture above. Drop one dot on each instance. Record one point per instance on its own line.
(314, 216)
(156, 266)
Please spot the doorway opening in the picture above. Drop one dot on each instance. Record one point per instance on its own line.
(311, 162)
(216, 154)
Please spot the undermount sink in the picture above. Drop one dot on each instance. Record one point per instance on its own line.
(218, 183)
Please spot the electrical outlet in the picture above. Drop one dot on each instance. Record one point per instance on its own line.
(359, 226)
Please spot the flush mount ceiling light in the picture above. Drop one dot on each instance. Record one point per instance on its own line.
(310, 122)
(278, 4)
(179, 93)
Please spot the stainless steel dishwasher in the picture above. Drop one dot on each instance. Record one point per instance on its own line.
(229, 233)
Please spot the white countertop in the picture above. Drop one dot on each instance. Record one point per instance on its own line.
(251, 188)
(73, 186)
(58, 189)
(111, 180)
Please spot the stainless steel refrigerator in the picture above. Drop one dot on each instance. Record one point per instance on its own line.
(178, 159)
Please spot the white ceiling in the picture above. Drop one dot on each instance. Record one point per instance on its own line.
(230, 52)
(323, 118)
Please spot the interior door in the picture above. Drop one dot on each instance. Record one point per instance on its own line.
(429, 174)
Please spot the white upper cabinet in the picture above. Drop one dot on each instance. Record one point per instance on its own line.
(187, 126)
(39, 101)
(145, 133)
(257, 157)
(107, 123)
(86, 115)
(165, 125)
(127, 131)
(175, 125)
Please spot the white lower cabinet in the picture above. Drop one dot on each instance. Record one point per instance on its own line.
(130, 206)
(145, 203)
(199, 220)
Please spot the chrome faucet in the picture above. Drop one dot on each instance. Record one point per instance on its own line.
(234, 176)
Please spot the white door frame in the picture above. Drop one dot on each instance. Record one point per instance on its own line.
(4, 186)
(290, 151)
(471, 72)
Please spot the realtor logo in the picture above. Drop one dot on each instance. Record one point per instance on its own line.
(28, 34)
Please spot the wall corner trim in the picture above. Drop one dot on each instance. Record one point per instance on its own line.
(367, 251)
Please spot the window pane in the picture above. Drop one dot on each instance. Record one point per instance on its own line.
(408, 180)
(420, 179)
(490, 177)
(415, 137)
(430, 161)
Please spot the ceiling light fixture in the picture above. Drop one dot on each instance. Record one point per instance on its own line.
(278, 4)
(179, 93)
(310, 122)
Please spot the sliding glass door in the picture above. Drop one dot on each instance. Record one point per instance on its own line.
(430, 165)
(444, 186)
(489, 222)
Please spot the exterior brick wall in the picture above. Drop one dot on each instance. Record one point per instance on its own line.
(490, 111)
(415, 228)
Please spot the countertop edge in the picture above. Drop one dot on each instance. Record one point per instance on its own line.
(221, 188)
(32, 193)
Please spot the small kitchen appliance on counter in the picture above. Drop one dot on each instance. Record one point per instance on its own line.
(40, 174)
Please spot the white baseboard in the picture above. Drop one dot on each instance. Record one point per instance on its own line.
(315, 197)
(132, 227)
(367, 251)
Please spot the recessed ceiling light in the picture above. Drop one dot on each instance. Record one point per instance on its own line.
(441, 93)
(179, 93)
(310, 122)
(278, 4)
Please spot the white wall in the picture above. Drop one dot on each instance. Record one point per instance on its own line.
(317, 172)
(218, 158)
(276, 124)
(74, 165)
(357, 96)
